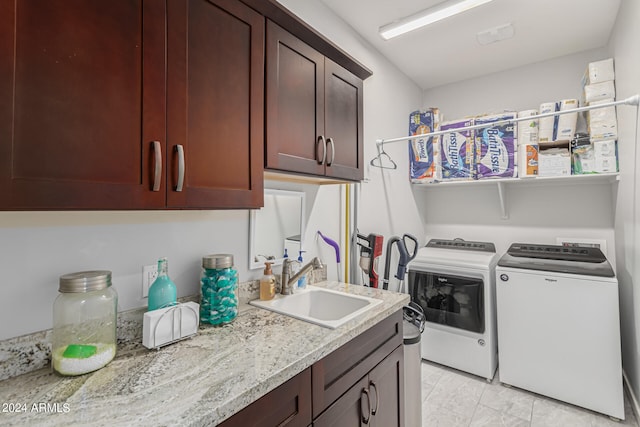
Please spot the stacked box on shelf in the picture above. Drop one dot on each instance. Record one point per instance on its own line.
(457, 150)
(496, 147)
(598, 88)
(424, 153)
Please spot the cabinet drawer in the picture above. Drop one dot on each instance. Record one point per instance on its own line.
(288, 405)
(337, 372)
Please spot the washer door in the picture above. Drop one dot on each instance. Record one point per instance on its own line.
(449, 299)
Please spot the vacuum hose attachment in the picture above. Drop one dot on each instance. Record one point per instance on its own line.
(333, 243)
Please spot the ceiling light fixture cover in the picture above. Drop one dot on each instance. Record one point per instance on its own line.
(496, 34)
(429, 16)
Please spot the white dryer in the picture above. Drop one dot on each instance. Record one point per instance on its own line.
(454, 283)
(559, 325)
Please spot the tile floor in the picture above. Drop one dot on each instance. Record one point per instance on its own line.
(451, 398)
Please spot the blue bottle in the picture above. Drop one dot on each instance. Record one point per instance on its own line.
(302, 282)
(163, 292)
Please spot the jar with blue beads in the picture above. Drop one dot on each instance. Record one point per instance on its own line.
(218, 290)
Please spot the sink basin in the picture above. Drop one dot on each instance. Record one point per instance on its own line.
(324, 307)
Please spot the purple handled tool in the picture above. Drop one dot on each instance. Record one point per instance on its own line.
(336, 247)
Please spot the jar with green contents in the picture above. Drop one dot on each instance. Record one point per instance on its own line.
(84, 323)
(218, 289)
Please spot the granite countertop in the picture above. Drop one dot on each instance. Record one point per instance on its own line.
(199, 381)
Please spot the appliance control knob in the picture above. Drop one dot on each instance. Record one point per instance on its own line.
(504, 277)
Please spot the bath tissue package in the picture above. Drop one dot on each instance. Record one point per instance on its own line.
(599, 91)
(457, 150)
(598, 72)
(424, 153)
(496, 147)
(566, 126)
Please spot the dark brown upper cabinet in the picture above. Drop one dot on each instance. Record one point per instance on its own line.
(131, 105)
(313, 111)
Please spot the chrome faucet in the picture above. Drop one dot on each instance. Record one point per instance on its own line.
(287, 281)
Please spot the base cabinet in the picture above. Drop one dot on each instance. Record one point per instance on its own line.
(375, 400)
(288, 405)
(359, 384)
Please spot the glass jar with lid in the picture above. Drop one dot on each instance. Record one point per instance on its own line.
(84, 323)
(219, 289)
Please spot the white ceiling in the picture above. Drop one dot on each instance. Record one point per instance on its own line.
(448, 51)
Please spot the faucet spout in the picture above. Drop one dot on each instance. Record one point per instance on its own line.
(288, 280)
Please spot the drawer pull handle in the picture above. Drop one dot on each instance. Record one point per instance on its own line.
(324, 149)
(375, 388)
(180, 151)
(157, 174)
(333, 151)
(365, 420)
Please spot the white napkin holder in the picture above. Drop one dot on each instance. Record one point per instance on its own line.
(168, 325)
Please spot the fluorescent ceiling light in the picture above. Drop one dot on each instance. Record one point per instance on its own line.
(437, 13)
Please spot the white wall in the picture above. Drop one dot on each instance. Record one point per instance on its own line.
(385, 205)
(624, 49)
(537, 213)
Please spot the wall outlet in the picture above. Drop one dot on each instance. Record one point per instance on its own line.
(149, 275)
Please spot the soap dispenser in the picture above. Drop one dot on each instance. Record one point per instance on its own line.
(162, 292)
(267, 283)
(302, 282)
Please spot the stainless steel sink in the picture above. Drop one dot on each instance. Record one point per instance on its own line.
(324, 307)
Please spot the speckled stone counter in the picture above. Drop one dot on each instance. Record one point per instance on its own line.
(200, 381)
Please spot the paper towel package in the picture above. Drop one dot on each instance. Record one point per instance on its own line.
(566, 127)
(606, 157)
(554, 162)
(598, 72)
(583, 160)
(496, 147)
(527, 160)
(602, 123)
(527, 129)
(547, 125)
(424, 153)
(457, 151)
(599, 91)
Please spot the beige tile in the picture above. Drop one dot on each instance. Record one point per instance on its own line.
(488, 417)
(436, 416)
(509, 400)
(549, 413)
(431, 373)
(457, 393)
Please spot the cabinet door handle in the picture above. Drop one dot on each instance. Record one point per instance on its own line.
(368, 413)
(324, 149)
(333, 151)
(157, 173)
(375, 388)
(180, 151)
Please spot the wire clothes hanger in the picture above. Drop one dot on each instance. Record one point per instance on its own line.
(379, 160)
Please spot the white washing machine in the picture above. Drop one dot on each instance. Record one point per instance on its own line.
(454, 283)
(559, 325)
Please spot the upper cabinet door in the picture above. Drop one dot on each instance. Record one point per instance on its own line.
(82, 90)
(295, 104)
(215, 98)
(343, 123)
